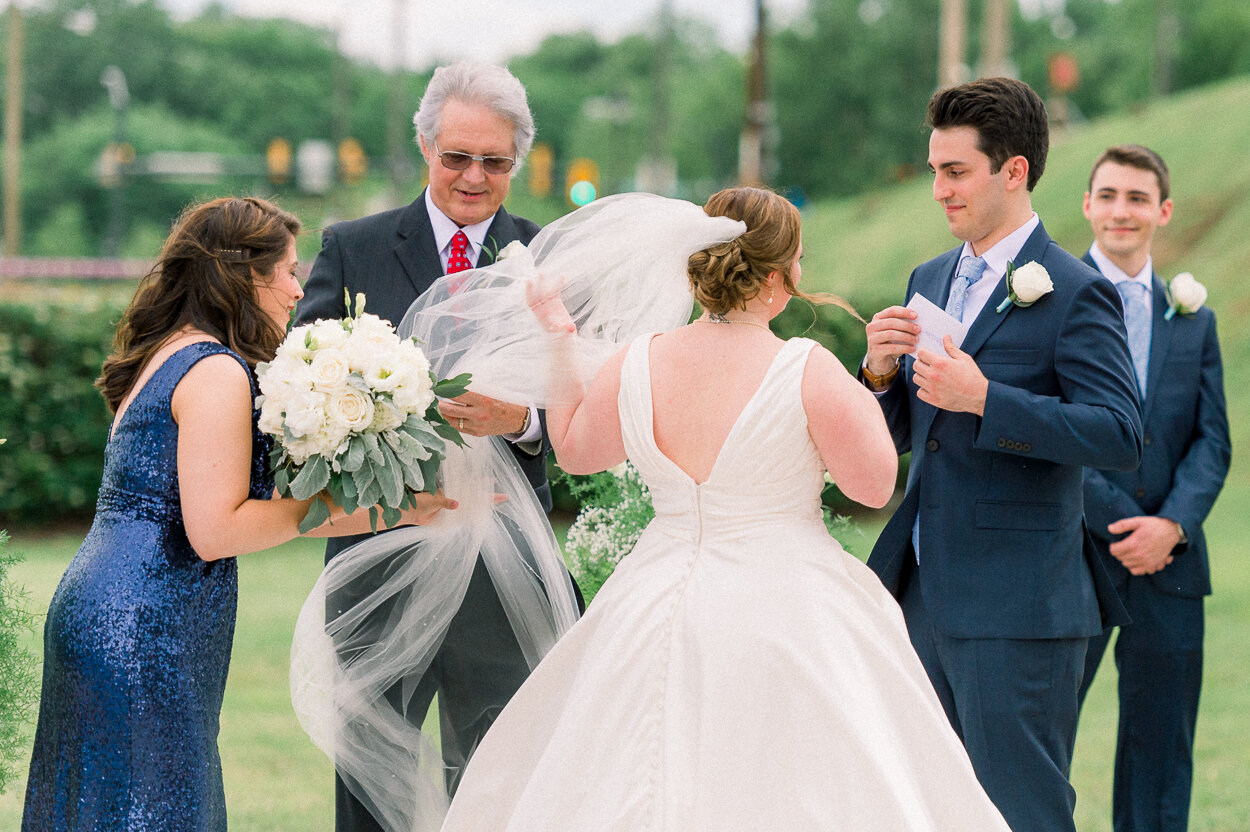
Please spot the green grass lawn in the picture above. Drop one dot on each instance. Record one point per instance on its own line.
(276, 779)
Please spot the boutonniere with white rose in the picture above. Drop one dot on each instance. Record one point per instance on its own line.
(1185, 295)
(1026, 284)
(353, 410)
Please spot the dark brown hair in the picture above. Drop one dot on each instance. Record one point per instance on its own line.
(204, 279)
(1009, 117)
(1136, 156)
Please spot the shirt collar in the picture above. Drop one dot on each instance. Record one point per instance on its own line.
(1117, 275)
(445, 228)
(1005, 249)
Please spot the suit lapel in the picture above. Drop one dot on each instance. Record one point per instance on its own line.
(501, 232)
(1160, 343)
(989, 318)
(416, 250)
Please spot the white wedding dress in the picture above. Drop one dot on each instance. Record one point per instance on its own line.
(739, 671)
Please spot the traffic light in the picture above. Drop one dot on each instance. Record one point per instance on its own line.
(582, 182)
(278, 161)
(353, 163)
(540, 160)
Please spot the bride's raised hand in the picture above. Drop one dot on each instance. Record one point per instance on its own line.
(542, 295)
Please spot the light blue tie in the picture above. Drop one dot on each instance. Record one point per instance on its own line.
(1137, 320)
(970, 271)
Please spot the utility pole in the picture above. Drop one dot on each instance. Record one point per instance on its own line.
(996, 39)
(399, 114)
(952, 43)
(657, 172)
(1167, 35)
(751, 142)
(119, 97)
(13, 134)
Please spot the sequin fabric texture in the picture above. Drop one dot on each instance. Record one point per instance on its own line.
(137, 645)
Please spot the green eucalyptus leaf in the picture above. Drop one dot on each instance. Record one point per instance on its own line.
(449, 388)
(318, 513)
(313, 478)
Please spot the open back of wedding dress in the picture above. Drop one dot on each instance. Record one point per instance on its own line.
(738, 671)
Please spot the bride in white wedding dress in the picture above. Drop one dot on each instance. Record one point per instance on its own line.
(740, 670)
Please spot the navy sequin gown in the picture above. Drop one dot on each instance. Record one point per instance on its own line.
(137, 645)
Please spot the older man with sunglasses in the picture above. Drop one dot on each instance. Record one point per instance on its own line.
(474, 127)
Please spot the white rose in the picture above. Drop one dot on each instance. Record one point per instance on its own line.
(350, 410)
(329, 370)
(514, 247)
(1030, 282)
(1188, 295)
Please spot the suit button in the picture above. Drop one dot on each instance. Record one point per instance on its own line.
(1002, 443)
(1146, 441)
(1141, 492)
(1026, 447)
(932, 445)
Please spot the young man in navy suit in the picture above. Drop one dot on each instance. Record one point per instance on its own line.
(988, 555)
(1148, 522)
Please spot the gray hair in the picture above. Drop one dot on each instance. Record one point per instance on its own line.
(487, 85)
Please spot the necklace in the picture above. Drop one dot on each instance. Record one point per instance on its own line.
(713, 318)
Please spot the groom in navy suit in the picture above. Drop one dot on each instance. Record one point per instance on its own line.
(1148, 522)
(988, 553)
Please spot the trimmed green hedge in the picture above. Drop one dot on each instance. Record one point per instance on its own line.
(54, 418)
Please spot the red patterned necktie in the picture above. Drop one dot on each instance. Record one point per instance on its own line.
(458, 259)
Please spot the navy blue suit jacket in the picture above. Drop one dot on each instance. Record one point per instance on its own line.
(1185, 453)
(392, 257)
(1003, 548)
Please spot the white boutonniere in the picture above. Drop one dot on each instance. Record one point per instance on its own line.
(514, 247)
(1185, 295)
(1025, 285)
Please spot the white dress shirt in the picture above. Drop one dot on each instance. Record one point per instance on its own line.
(445, 228)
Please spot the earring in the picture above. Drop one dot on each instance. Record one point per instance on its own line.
(771, 292)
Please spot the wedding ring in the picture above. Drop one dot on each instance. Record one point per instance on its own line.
(462, 424)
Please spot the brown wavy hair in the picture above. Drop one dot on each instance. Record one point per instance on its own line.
(728, 275)
(204, 279)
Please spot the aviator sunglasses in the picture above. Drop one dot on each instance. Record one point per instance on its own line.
(455, 160)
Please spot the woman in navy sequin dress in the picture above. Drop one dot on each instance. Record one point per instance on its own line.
(138, 636)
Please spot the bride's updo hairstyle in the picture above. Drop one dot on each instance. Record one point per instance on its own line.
(204, 278)
(727, 275)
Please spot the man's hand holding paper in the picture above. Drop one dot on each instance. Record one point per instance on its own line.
(945, 376)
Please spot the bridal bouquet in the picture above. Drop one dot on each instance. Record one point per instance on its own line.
(353, 410)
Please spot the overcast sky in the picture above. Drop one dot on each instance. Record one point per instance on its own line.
(493, 30)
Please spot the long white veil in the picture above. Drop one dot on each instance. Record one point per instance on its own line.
(380, 610)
